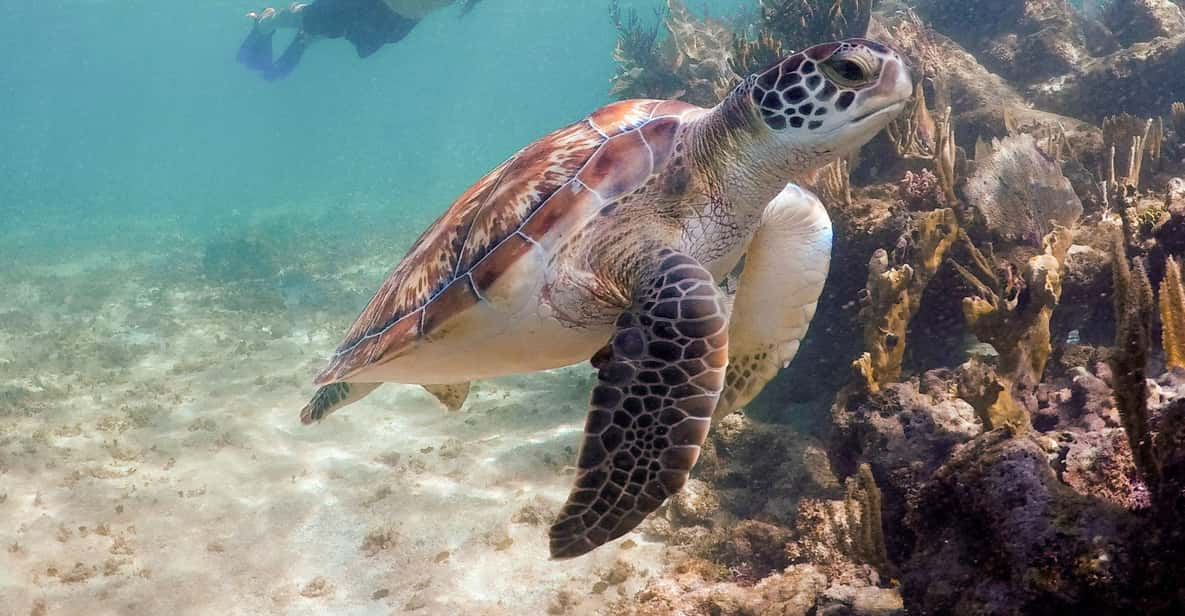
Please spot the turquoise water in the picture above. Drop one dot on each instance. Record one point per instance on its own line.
(118, 109)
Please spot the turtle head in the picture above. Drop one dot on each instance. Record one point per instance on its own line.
(830, 99)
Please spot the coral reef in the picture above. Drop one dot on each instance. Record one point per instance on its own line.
(640, 74)
(1015, 413)
(1145, 76)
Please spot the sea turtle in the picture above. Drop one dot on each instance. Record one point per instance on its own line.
(608, 239)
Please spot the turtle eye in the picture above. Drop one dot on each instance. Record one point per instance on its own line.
(850, 72)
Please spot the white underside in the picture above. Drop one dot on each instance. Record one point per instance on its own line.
(514, 331)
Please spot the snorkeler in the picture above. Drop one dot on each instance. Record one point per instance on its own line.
(368, 24)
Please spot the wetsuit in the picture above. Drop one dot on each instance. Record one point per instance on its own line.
(368, 24)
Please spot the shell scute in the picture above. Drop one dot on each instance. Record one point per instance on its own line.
(619, 117)
(457, 297)
(660, 137)
(562, 207)
(621, 165)
(526, 203)
(487, 271)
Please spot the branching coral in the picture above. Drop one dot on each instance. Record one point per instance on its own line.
(1177, 117)
(1133, 138)
(894, 293)
(945, 155)
(1172, 315)
(752, 55)
(991, 397)
(915, 134)
(835, 183)
(1010, 309)
(1011, 306)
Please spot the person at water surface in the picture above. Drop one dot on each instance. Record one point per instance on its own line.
(368, 24)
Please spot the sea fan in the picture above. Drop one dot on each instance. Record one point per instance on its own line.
(1020, 190)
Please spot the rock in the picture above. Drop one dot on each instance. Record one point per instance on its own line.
(536, 512)
(979, 98)
(798, 591)
(1144, 79)
(696, 504)
(1170, 231)
(1137, 21)
(1099, 463)
(905, 434)
(1025, 40)
(997, 533)
(753, 550)
(747, 480)
(822, 536)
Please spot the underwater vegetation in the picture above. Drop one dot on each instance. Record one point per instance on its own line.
(699, 58)
(1001, 361)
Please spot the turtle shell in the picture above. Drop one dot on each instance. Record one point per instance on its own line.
(534, 195)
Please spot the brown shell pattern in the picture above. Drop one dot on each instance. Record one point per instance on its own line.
(497, 220)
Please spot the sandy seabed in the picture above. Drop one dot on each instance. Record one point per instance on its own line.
(152, 460)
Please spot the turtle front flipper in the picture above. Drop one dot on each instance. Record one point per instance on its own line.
(332, 397)
(785, 269)
(652, 405)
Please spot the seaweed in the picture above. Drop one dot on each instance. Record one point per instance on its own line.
(802, 23)
(641, 71)
(863, 503)
(1172, 315)
(1133, 333)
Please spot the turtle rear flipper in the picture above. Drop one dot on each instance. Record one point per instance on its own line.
(652, 406)
(452, 396)
(332, 397)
